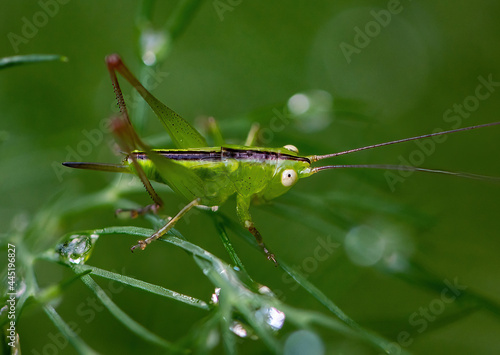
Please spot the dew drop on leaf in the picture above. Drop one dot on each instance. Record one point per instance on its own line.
(76, 249)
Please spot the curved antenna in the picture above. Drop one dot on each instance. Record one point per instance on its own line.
(314, 158)
(407, 168)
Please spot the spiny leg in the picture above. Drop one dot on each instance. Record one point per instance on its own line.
(128, 140)
(163, 230)
(182, 133)
(251, 228)
(242, 209)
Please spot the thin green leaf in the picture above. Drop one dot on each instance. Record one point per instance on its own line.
(235, 295)
(146, 232)
(146, 286)
(370, 337)
(145, 13)
(306, 317)
(130, 230)
(229, 246)
(305, 217)
(80, 346)
(30, 58)
(242, 299)
(417, 274)
(181, 17)
(263, 331)
(123, 317)
(228, 338)
(55, 291)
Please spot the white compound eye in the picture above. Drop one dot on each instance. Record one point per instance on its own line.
(288, 177)
(291, 148)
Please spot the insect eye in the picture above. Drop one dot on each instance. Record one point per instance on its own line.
(291, 148)
(288, 177)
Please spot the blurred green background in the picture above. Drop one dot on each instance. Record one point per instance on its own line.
(399, 82)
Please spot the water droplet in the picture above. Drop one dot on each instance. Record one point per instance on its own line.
(397, 262)
(299, 104)
(212, 339)
(380, 243)
(149, 58)
(215, 296)
(76, 249)
(304, 342)
(311, 110)
(276, 318)
(243, 330)
(238, 329)
(364, 246)
(272, 316)
(153, 45)
(4, 310)
(21, 288)
(264, 290)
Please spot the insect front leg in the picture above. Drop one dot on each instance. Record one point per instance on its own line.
(163, 230)
(242, 209)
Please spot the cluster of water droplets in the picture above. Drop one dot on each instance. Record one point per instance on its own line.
(270, 315)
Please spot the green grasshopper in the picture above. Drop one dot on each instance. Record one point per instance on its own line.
(208, 176)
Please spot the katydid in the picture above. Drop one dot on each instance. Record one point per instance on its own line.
(208, 176)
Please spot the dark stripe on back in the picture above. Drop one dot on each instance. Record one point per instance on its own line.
(224, 153)
(249, 154)
(184, 155)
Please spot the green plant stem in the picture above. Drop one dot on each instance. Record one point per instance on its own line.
(229, 246)
(68, 333)
(180, 18)
(146, 286)
(29, 59)
(123, 317)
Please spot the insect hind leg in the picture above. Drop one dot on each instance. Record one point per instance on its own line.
(142, 244)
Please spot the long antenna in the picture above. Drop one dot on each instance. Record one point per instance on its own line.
(314, 158)
(407, 168)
